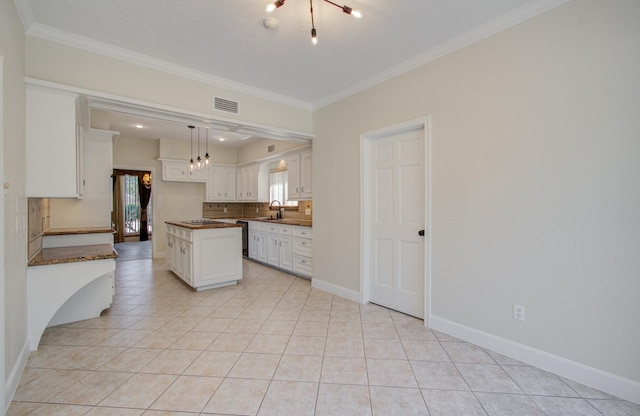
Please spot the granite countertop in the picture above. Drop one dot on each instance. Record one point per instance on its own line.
(287, 221)
(73, 254)
(72, 231)
(200, 225)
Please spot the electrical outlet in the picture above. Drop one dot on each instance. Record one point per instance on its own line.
(518, 312)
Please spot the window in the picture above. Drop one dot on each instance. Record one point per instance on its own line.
(278, 188)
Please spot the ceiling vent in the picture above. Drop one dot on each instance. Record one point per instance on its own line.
(271, 148)
(227, 106)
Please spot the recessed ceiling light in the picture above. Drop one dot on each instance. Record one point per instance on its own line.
(139, 126)
(221, 139)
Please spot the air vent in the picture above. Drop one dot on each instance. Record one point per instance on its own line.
(271, 148)
(227, 106)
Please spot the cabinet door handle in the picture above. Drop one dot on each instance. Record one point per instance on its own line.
(303, 243)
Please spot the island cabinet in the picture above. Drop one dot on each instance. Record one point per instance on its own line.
(205, 256)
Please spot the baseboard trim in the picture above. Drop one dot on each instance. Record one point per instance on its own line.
(607, 382)
(351, 295)
(16, 373)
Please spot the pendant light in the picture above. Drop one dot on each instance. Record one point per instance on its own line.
(199, 164)
(191, 161)
(206, 155)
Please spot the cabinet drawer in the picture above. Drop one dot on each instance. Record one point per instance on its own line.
(179, 232)
(258, 226)
(286, 230)
(273, 228)
(302, 246)
(305, 232)
(302, 265)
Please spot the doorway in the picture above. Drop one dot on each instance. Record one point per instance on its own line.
(132, 214)
(395, 218)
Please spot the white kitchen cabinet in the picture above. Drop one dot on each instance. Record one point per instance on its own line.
(179, 254)
(221, 183)
(180, 171)
(258, 244)
(303, 251)
(280, 250)
(299, 176)
(205, 258)
(247, 183)
(53, 144)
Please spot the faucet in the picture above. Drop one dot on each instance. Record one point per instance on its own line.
(278, 214)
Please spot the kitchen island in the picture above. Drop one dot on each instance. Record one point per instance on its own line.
(205, 254)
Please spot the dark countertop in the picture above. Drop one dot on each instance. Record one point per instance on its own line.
(73, 254)
(286, 221)
(83, 230)
(202, 226)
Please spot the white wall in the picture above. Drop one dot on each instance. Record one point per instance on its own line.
(535, 182)
(94, 209)
(13, 293)
(65, 65)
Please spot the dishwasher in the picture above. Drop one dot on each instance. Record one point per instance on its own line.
(245, 238)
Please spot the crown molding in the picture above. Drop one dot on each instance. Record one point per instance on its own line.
(476, 34)
(48, 33)
(26, 13)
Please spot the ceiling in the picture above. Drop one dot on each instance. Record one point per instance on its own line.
(226, 43)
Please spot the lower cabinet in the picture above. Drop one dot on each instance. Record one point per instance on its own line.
(205, 258)
(275, 245)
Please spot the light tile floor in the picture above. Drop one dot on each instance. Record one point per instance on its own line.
(272, 345)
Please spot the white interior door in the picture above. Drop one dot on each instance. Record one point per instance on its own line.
(395, 216)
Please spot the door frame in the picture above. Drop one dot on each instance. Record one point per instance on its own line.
(366, 139)
(3, 406)
(153, 200)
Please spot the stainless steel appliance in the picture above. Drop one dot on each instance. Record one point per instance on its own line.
(245, 238)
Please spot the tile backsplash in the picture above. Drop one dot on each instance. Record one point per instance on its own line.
(39, 220)
(253, 209)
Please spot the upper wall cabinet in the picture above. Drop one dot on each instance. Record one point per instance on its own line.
(299, 173)
(221, 183)
(180, 171)
(54, 144)
(247, 183)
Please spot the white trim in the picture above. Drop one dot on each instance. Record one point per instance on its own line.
(55, 35)
(474, 35)
(423, 123)
(610, 383)
(348, 294)
(2, 294)
(109, 102)
(16, 373)
(153, 200)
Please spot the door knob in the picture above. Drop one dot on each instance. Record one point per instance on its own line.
(421, 233)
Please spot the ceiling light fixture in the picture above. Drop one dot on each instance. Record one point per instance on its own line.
(191, 161)
(314, 33)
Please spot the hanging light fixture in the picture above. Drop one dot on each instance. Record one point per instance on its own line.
(199, 164)
(314, 33)
(206, 155)
(191, 161)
